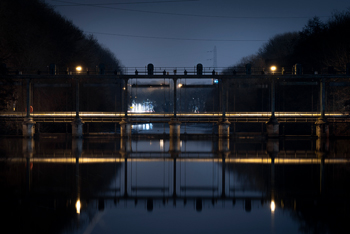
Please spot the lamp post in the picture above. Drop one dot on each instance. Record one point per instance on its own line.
(77, 124)
(273, 69)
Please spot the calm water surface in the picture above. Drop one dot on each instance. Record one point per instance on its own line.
(153, 184)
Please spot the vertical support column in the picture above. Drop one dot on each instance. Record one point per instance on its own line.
(272, 126)
(174, 128)
(223, 93)
(125, 106)
(125, 146)
(224, 124)
(322, 126)
(77, 124)
(174, 124)
(175, 103)
(224, 128)
(28, 125)
(125, 128)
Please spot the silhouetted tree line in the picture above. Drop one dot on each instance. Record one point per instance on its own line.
(33, 36)
(318, 45)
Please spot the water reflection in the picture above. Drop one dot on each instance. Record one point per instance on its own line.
(225, 185)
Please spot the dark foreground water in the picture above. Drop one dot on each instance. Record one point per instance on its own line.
(153, 184)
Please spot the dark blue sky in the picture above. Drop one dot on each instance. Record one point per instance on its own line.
(180, 33)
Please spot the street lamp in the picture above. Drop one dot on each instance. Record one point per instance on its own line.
(78, 206)
(78, 69)
(273, 69)
(273, 206)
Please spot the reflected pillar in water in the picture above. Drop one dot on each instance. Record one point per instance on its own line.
(174, 150)
(28, 125)
(77, 147)
(125, 147)
(28, 146)
(322, 149)
(272, 126)
(272, 148)
(322, 125)
(174, 146)
(77, 150)
(77, 124)
(174, 128)
(224, 151)
(199, 204)
(125, 128)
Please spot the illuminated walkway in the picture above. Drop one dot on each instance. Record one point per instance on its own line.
(147, 117)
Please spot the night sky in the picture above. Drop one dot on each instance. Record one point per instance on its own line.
(182, 33)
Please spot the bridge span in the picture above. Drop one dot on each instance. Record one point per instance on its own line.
(223, 81)
(146, 117)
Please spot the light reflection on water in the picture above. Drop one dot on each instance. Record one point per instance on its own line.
(157, 185)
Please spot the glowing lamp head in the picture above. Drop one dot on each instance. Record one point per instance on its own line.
(78, 206)
(273, 68)
(180, 85)
(273, 206)
(78, 68)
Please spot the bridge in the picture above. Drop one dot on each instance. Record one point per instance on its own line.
(222, 81)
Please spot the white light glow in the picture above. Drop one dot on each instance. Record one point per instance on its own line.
(161, 144)
(273, 206)
(78, 206)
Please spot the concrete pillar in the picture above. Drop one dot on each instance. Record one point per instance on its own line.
(125, 146)
(28, 123)
(175, 103)
(272, 127)
(322, 128)
(28, 146)
(125, 128)
(28, 127)
(224, 145)
(77, 128)
(77, 147)
(174, 146)
(322, 147)
(174, 126)
(224, 128)
(273, 147)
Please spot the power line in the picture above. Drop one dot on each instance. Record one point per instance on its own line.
(176, 38)
(190, 15)
(115, 3)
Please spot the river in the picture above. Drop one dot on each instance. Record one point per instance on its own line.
(196, 184)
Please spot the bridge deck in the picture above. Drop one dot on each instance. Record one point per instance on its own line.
(111, 117)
